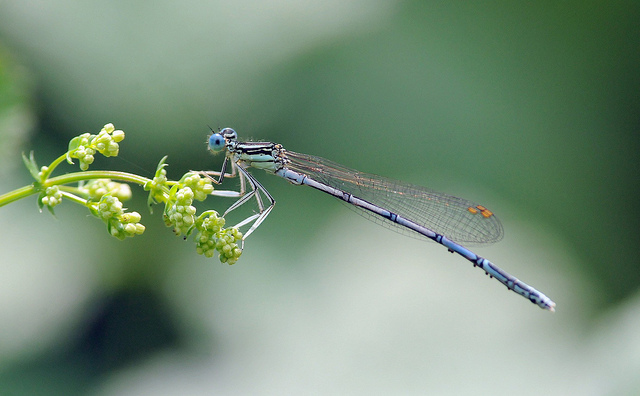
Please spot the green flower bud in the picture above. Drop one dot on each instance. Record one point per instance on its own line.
(118, 136)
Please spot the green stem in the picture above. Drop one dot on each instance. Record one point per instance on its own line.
(17, 194)
(53, 166)
(75, 198)
(86, 175)
(71, 178)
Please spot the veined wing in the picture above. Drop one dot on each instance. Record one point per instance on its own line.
(458, 219)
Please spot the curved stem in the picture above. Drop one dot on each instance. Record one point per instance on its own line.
(87, 175)
(53, 166)
(71, 178)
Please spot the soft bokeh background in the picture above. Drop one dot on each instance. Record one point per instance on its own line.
(531, 109)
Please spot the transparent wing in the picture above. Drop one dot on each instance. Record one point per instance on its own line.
(460, 220)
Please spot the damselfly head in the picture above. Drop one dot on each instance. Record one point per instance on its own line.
(218, 141)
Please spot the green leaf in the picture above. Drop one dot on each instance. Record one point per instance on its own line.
(31, 165)
(40, 204)
(161, 165)
(74, 143)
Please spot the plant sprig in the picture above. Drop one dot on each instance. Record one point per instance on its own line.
(103, 193)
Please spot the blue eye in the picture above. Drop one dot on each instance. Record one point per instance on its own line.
(216, 142)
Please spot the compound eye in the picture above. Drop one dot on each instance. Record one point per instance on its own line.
(216, 142)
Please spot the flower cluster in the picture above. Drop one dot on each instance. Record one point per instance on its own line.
(84, 147)
(179, 212)
(200, 186)
(119, 223)
(96, 188)
(51, 197)
(227, 246)
(212, 237)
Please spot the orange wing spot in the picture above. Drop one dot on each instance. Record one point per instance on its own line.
(479, 208)
(487, 213)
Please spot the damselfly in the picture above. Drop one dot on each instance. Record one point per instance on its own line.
(412, 209)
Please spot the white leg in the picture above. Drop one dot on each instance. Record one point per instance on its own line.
(263, 212)
(221, 174)
(218, 180)
(243, 195)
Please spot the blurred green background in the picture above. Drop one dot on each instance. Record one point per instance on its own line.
(531, 109)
